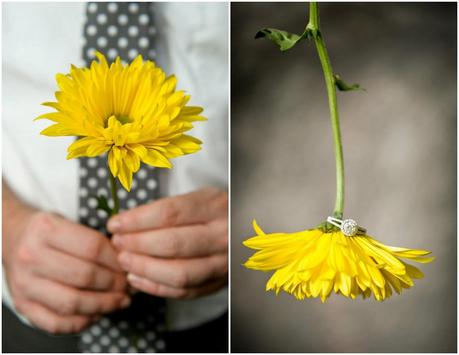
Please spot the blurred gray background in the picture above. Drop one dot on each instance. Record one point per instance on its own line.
(400, 154)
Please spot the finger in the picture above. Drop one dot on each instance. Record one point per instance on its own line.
(195, 207)
(161, 290)
(77, 272)
(51, 322)
(188, 241)
(175, 272)
(82, 242)
(69, 301)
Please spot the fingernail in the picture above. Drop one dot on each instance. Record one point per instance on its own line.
(133, 278)
(117, 240)
(125, 302)
(114, 224)
(124, 259)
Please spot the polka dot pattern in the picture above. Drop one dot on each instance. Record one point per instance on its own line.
(131, 203)
(117, 335)
(116, 28)
(119, 29)
(112, 30)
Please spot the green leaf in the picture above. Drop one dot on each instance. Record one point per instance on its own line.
(342, 86)
(283, 39)
(102, 204)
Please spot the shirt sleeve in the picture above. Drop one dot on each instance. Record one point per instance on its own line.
(30, 60)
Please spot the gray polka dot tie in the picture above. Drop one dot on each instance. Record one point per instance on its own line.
(125, 30)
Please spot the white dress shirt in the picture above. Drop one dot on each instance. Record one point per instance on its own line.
(42, 39)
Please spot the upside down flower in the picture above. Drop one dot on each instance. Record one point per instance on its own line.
(132, 112)
(337, 255)
(313, 263)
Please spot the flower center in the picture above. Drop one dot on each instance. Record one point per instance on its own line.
(123, 119)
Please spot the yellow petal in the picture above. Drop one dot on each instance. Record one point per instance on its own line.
(414, 272)
(154, 158)
(257, 228)
(113, 161)
(187, 144)
(125, 176)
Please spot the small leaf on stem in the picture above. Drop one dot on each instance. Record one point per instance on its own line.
(283, 39)
(342, 86)
(102, 204)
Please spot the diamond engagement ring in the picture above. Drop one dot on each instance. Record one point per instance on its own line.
(349, 227)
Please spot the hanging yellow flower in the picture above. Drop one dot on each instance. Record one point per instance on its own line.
(313, 263)
(130, 111)
(337, 255)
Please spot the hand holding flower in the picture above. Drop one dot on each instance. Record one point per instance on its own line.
(175, 247)
(132, 114)
(62, 275)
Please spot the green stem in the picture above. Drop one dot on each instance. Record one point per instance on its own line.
(116, 201)
(314, 27)
(313, 16)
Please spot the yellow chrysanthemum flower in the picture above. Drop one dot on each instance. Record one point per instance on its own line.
(313, 263)
(130, 111)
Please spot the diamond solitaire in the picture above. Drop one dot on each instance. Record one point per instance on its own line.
(349, 227)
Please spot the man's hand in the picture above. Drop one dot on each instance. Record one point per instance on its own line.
(175, 247)
(62, 275)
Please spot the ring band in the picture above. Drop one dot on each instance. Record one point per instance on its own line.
(349, 227)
